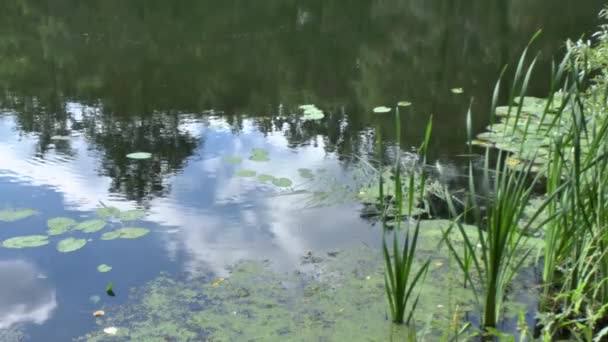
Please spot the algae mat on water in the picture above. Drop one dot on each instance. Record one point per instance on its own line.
(337, 296)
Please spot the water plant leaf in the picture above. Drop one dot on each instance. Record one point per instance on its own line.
(26, 241)
(107, 212)
(404, 104)
(110, 290)
(457, 90)
(70, 245)
(381, 110)
(233, 160)
(246, 173)
(259, 155)
(311, 112)
(60, 225)
(132, 215)
(12, 215)
(282, 182)
(104, 268)
(306, 173)
(90, 226)
(139, 155)
(265, 178)
(125, 233)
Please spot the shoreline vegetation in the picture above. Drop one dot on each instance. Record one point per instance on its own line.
(559, 144)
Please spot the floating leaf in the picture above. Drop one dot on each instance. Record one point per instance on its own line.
(282, 182)
(404, 104)
(94, 299)
(26, 241)
(70, 245)
(311, 112)
(104, 268)
(306, 173)
(381, 110)
(132, 215)
(59, 225)
(125, 233)
(91, 226)
(99, 313)
(12, 215)
(246, 173)
(265, 178)
(110, 290)
(259, 155)
(139, 155)
(233, 160)
(457, 90)
(107, 212)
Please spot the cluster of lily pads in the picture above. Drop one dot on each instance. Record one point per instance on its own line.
(106, 216)
(526, 130)
(261, 155)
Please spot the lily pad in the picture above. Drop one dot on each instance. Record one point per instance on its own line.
(306, 173)
(103, 268)
(12, 215)
(233, 160)
(107, 212)
(125, 233)
(457, 90)
(259, 155)
(132, 215)
(60, 225)
(282, 182)
(139, 155)
(91, 226)
(26, 241)
(404, 104)
(311, 112)
(70, 245)
(265, 178)
(381, 110)
(246, 173)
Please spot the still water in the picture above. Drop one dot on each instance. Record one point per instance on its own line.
(198, 85)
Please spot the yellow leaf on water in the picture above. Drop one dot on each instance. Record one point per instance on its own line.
(99, 313)
(217, 282)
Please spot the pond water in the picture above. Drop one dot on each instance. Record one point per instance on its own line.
(211, 90)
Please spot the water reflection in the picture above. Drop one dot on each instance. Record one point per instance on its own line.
(26, 298)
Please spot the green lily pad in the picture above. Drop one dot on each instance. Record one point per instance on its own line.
(70, 245)
(91, 226)
(457, 90)
(265, 178)
(246, 173)
(404, 104)
(125, 233)
(381, 110)
(26, 241)
(139, 155)
(259, 155)
(12, 215)
(107, 212)
(103, 268)
(282, 182)
(59, 225)
(306, 173)
(311, 112)
(233, 160)
(132, 215)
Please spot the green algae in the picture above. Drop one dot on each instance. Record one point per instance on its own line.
(335, 296)
(12, 215)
